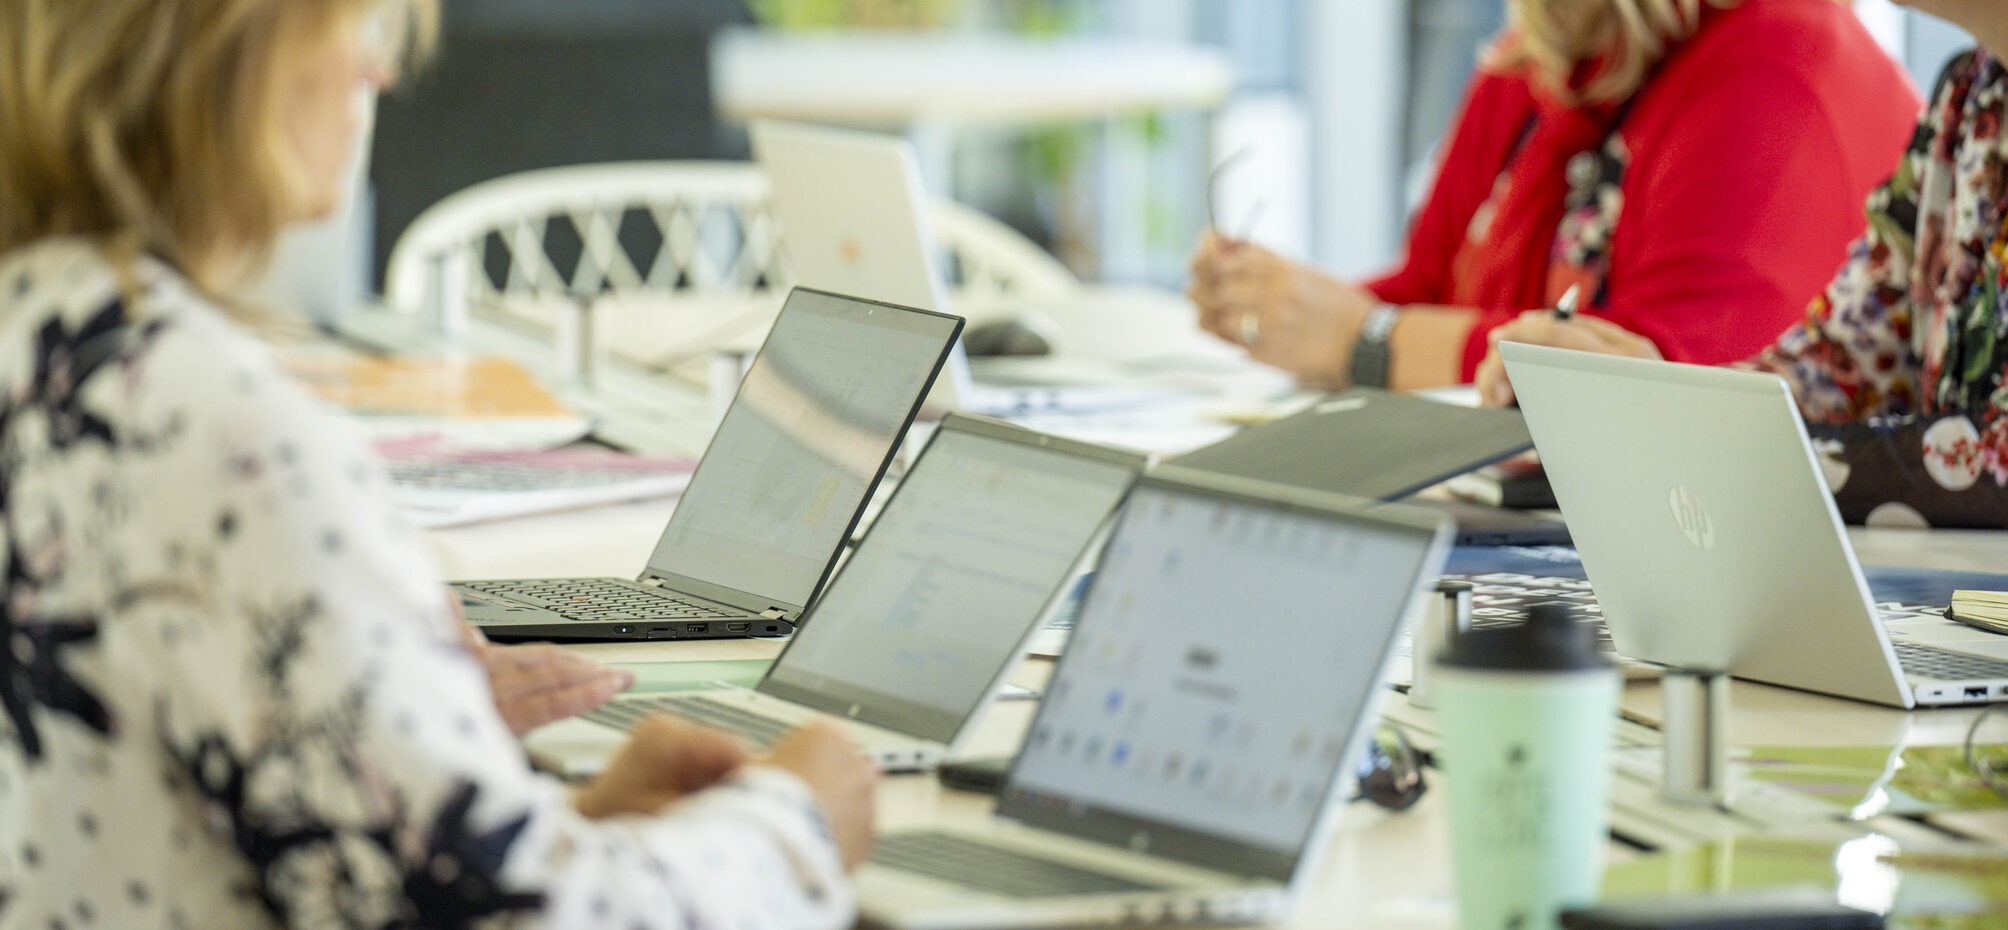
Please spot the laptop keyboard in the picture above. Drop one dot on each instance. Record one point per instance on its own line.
(597, 599)
(624, 714)
(1502, 599)
(967, 862)
(1946, 665)
(458, 475)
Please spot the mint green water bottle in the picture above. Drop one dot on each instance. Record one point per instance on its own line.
(1527, 717)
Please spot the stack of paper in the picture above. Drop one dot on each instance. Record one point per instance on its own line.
(1987, 610)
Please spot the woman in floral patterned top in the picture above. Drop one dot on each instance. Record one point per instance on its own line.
(233, 692)
(1904, 358)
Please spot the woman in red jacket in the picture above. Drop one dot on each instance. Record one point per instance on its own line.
(1690, 166)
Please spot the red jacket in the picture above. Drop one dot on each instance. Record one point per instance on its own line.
(1750, 152)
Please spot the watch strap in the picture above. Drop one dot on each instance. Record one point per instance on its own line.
(1369, 365)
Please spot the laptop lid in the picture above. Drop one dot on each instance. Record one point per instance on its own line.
(1224, 669)
(1367, 443)
(932, 606)
(854, 220)
(1703, 521)
(814, 425)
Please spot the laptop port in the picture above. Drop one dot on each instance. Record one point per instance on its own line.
(771, 629)
(738, 627)
(696, 628)
(659, 632)
(1976, 692)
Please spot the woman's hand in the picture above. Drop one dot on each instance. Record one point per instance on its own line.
(1540, 327)
(537, 683)
(663, 760)
(841, 778)
(1283, 313)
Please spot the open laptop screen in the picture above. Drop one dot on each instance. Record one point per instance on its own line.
(934, 602)
(1218, 677)
(816, 419)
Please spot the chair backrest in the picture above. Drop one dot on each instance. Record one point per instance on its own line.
(660, 229)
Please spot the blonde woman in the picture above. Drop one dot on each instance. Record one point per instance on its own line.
(1689, 167)
(231, 691)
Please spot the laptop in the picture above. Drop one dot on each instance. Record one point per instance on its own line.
(854, 218)
(1708, 533)
(1384, 446)
(811, 430)
(927, 617)
(1195, 738)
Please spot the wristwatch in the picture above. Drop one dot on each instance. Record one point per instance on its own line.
(1369, 366)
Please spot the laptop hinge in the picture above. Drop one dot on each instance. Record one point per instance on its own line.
(774, 613)
(652, 582)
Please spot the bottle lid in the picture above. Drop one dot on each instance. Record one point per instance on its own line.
(1550, 641)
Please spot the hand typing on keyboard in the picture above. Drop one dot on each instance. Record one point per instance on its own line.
(841, 777)
(664, 759)
(537, 683)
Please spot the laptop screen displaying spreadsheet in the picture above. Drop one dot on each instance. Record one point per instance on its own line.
(813, 425)
(935, 600)
(1218, 676)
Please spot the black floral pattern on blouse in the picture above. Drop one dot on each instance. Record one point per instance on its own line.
(31, 662)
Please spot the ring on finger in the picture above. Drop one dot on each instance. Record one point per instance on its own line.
(1251, 329)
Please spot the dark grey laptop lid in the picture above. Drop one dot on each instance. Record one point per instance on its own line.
(815, 423)
(1367, 443)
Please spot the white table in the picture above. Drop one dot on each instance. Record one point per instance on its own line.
(905, 79)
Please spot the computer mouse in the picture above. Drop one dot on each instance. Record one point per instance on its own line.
(1017, 335)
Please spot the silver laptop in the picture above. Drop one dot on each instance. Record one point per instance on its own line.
(1194, 739)
(1711, 540)
(786, 476)
(929, 613)
(854, 219)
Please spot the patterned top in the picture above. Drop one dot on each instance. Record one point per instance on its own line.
(1915, 325)
(232, 693)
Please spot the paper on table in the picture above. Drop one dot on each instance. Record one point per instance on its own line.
(1954, 887)
(487, 401)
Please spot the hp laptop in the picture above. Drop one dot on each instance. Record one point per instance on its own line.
(799, 450)
(1710, 538)
(1385, 446)
(929, 613)
(1194, 738)
(854, 219)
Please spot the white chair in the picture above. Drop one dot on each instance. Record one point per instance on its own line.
(535, 245)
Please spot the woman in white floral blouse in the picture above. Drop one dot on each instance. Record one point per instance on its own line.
(232, 691)
(1902, 364)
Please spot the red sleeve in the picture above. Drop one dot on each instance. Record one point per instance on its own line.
(1744, 192)
(1495, 110)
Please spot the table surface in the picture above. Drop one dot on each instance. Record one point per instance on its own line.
(1384, 870)
(1388, 870)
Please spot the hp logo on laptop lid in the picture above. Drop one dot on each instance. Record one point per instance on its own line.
(1690, 517)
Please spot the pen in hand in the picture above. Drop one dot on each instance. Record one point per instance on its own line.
(1565, 309)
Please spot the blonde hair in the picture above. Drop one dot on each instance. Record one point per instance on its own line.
(155, 126)
(1550, 38)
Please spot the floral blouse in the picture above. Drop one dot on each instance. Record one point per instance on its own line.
(232, 693)
(1909, 343)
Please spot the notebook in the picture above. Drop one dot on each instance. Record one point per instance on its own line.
(1194, 739)
(929, 613)
(1707, 530)
(811, 431)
